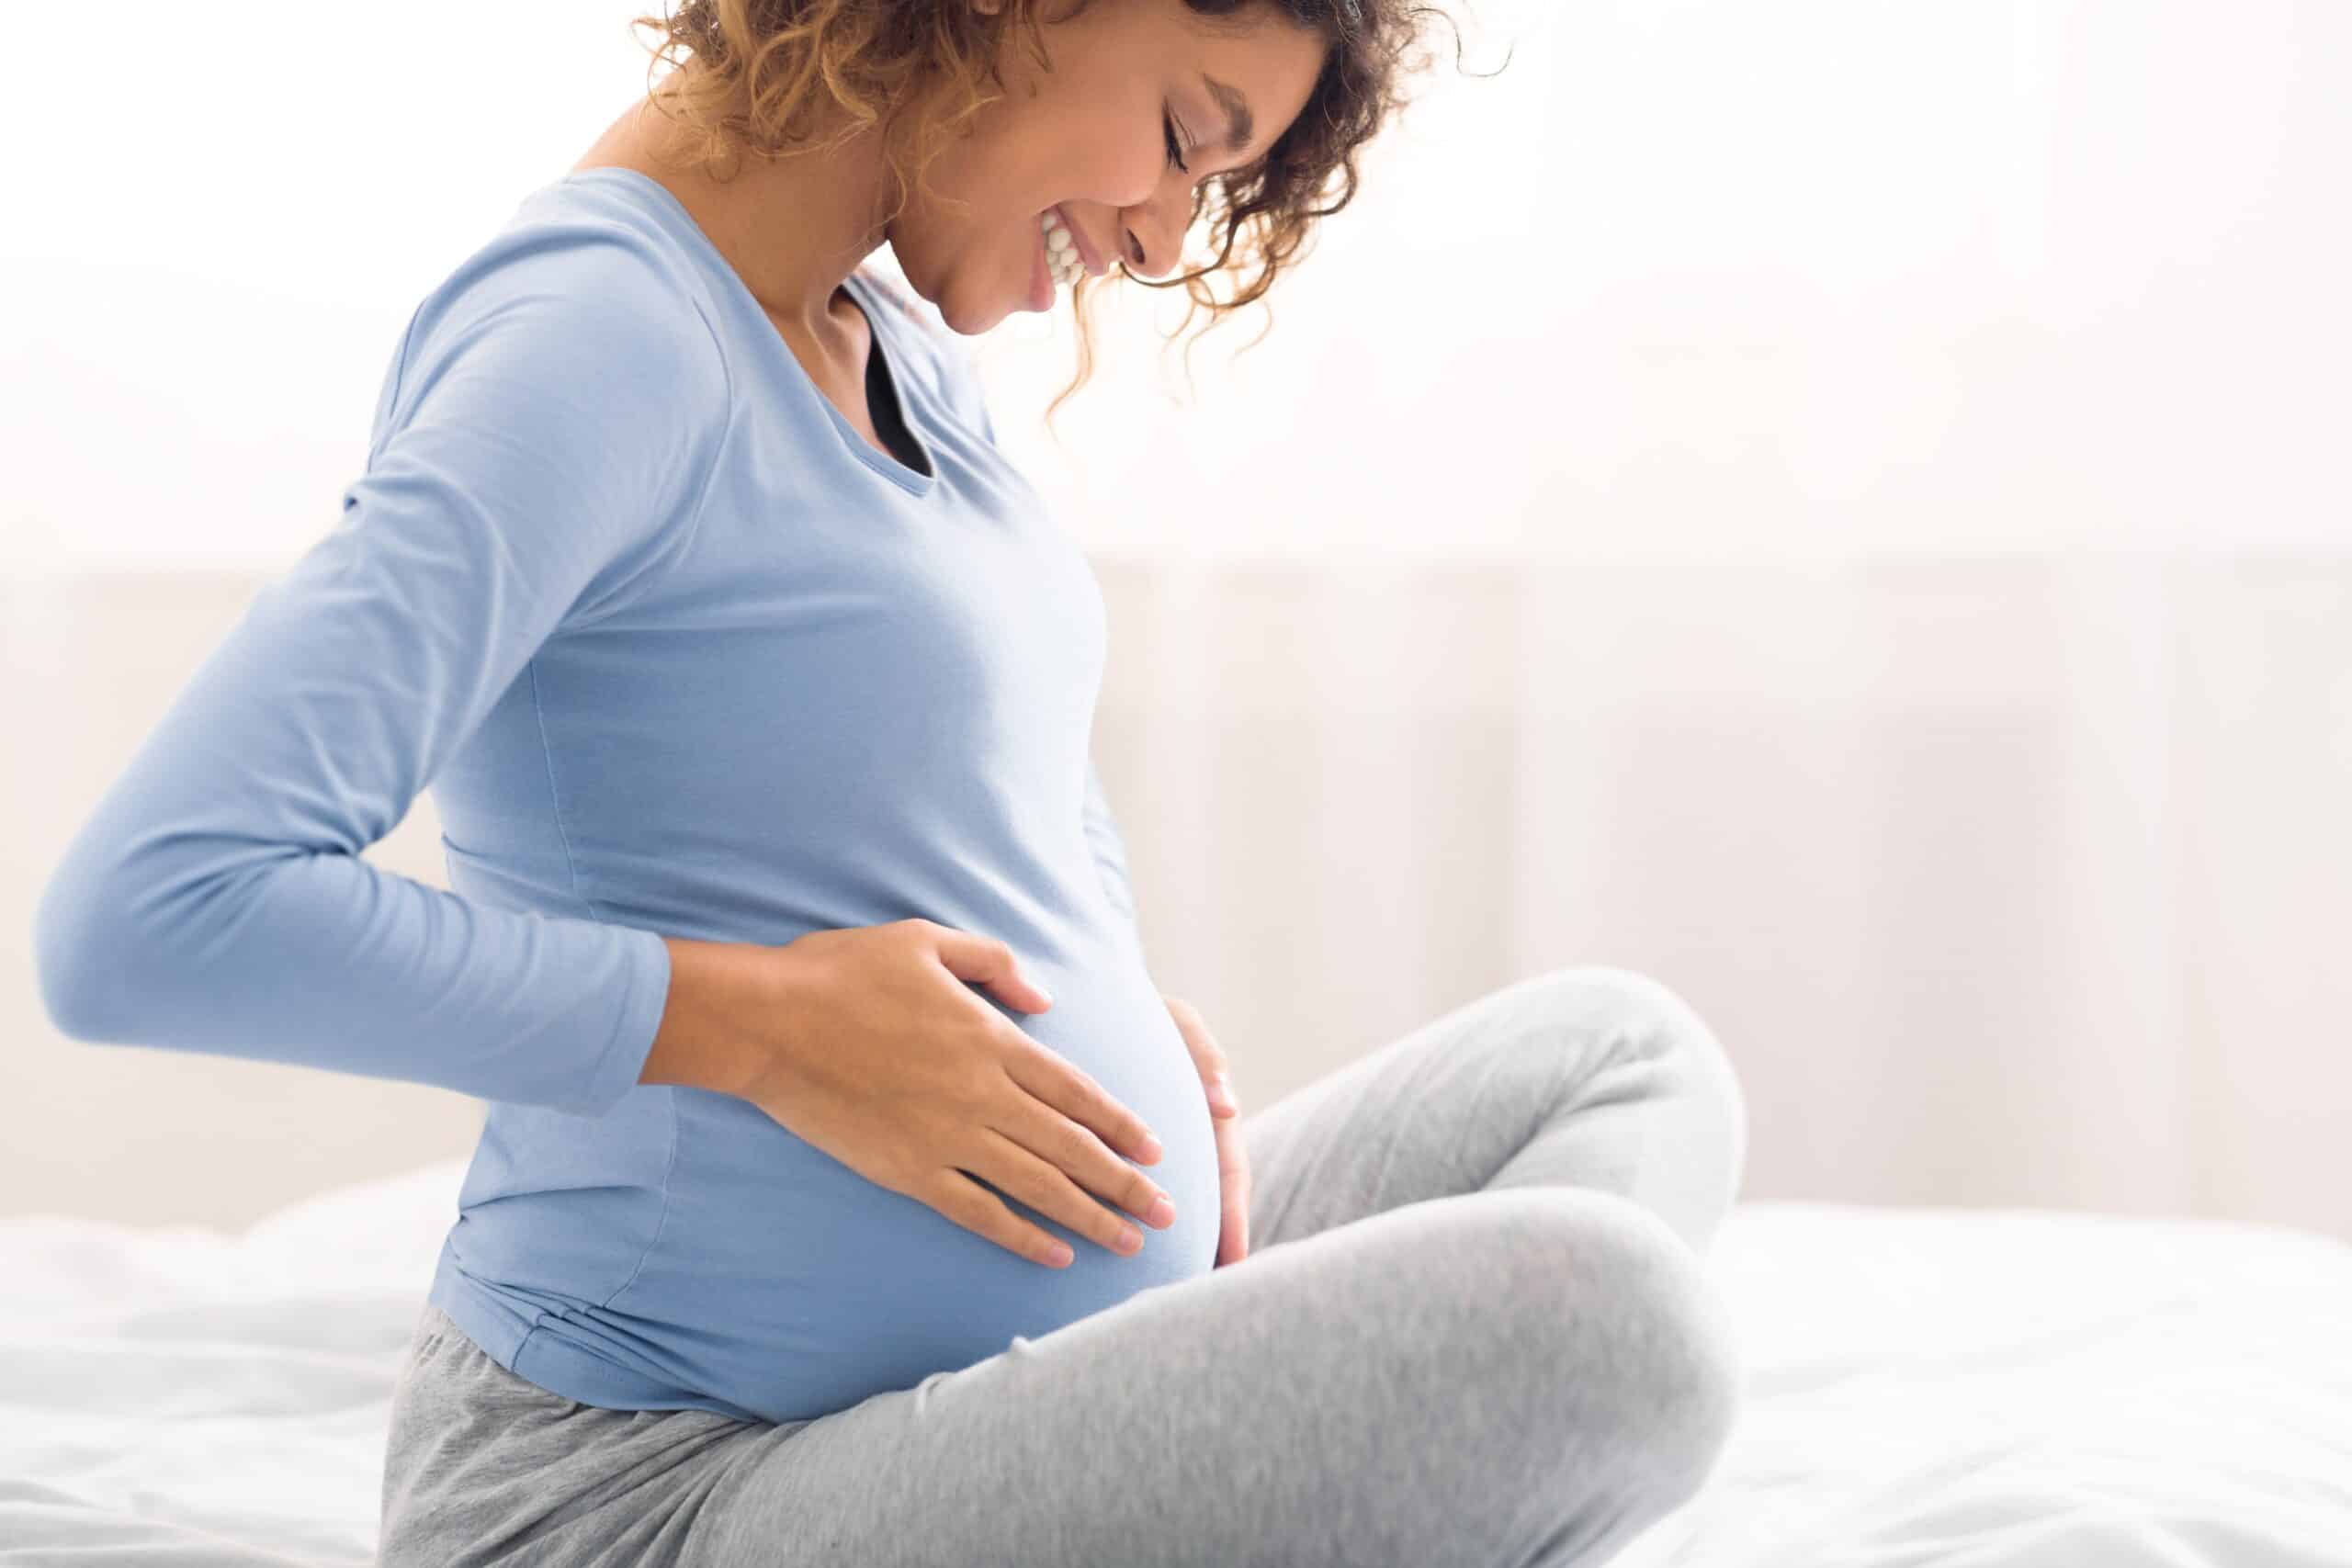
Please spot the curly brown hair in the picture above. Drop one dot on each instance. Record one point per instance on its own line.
(761, 75)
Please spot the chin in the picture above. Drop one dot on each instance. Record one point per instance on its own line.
(954, 312)
(956, 323)
(962, 322)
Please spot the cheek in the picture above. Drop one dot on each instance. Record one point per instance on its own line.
(1091, 152)
(1124, 163)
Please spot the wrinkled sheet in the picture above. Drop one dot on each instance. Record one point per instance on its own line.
(1965, 1388)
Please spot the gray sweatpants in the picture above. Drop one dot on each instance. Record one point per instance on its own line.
(1473, 1328)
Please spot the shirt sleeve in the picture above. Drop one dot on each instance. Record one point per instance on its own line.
(542, 442)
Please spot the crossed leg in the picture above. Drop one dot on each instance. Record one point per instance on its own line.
(1473, 1328)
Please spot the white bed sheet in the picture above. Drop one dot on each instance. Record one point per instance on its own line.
(1966, 1388)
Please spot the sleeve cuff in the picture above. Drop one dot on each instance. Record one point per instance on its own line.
(643, 965)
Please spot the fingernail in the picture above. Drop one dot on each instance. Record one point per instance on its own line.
(1163, 1212)
(1151, 1149)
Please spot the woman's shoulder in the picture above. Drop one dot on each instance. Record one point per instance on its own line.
(566, 297)
(583, 261)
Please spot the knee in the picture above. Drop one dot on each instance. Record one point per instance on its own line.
(1600, 1293)
(1653, 1021)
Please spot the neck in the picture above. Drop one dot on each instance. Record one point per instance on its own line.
(792, 227)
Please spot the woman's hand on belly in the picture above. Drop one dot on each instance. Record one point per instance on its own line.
(867, 1044)
(1232, 1159)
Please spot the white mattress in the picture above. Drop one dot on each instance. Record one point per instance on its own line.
(1971, 1389)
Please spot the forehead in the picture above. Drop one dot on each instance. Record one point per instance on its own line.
(1253, 70)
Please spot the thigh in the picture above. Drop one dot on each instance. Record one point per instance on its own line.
(1521, 1376)
(481, 1465)
(1588, 1076)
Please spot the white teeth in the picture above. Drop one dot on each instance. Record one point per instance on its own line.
(1062, 259)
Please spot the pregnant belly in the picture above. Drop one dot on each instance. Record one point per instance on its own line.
(807, 1287)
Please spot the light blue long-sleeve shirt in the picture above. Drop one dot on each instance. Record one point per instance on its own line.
(678, 651)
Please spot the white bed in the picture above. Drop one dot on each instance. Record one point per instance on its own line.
(1971, 1389)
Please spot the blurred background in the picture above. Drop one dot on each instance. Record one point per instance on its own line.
(1841, 507)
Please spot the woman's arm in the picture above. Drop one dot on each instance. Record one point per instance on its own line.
(713, 987)
(543, 442)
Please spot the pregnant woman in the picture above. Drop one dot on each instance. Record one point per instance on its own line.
(849, 1193)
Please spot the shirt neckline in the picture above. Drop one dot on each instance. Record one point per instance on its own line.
(674, 215)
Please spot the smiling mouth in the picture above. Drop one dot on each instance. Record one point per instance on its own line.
(1083, 255)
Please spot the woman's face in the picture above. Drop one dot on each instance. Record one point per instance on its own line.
(1092, 136)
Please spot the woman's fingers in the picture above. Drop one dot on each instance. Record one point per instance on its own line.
(1061, 1145)
(1221, 1101)
(1225, 1109)
(1233, 1182)
(1206, 1055)
(1048, 1190)
(1058, 1083)
(978, 1210)
(988, 960)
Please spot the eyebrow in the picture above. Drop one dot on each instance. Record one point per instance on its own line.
(1238, 126)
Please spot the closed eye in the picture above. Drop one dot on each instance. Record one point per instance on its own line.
(1175, 153)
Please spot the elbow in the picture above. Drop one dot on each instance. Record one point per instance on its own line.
(132, 935)
(98, 964)
(140, 914)
(78, 956)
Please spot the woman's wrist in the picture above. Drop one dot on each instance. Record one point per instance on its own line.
(700, 1044)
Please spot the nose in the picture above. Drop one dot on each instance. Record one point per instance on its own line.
(1150, 248)
(1151, 234)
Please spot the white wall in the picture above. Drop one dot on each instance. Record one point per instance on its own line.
(1839, 505)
